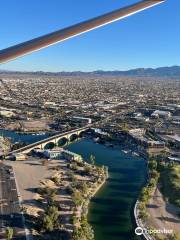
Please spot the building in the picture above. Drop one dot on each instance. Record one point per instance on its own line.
(172, 139)
(83, 120)
(55, 153)
(71, 156)
(100, 132)
(20, 156)
(154, 148)
(174, 157)
(6, 113)
(159, 113)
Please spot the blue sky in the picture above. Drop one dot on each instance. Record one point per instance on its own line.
(147, 39)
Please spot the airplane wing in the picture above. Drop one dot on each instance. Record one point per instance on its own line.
(69, 32)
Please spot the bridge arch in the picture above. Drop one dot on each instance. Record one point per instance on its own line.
(81, 134)
(62, 141)
(73, 137)
(50, 145)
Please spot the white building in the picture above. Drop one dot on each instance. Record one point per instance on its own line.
(6, 113)
(71, 156)
(83, 119)
(163, 114)
(55, 153)
(99, 131)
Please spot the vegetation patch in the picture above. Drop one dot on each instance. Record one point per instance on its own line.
(170, 181)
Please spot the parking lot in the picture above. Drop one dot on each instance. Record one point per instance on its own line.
(10, 210)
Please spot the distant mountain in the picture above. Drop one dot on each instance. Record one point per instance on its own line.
(173, 71)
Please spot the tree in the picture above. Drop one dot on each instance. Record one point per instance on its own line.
(77, 198)
(71, 176)
(74, 166)
(154, 174)
(152, 183)
(53, 213)
(92, 159)
(143, 215)
(85, 232)
(124, 127)
(55, 179)
(78, 234)
(164, 154)
(47, 223)
(145, 195)
(152, 165)
(87, 229)
(50, 195)
(87, 169)
(142, 206)
(84, 188)
(174, 237)
(50, 219)
(9, 233)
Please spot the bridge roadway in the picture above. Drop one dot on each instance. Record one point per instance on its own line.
(43, 142)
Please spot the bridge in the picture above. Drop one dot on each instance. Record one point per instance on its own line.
(56, 140)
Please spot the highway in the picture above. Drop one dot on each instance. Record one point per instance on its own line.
(10, 210)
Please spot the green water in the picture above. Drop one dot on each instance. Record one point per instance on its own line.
(111, 210)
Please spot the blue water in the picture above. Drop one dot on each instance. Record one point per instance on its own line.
(17, 137)
(111, 210)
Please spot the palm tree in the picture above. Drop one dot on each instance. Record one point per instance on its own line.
(9, 233)
(92, 159)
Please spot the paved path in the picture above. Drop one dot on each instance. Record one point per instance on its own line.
(162, 214)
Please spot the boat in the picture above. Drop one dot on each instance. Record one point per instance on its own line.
(96, 139)
(109, 145)
(135, 154)
(125, 151)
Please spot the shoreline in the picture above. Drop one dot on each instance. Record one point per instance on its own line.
(158, 217)
(99, 187)
(138, 221)
(94, 193)
(26, 133)
(87, 203)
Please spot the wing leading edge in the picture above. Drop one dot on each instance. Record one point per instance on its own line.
(77, 29)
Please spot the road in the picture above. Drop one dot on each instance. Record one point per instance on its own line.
(10, 210)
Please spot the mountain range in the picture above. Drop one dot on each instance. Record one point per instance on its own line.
(173, 71)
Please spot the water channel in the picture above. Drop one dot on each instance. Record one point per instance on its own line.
(111, 210)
